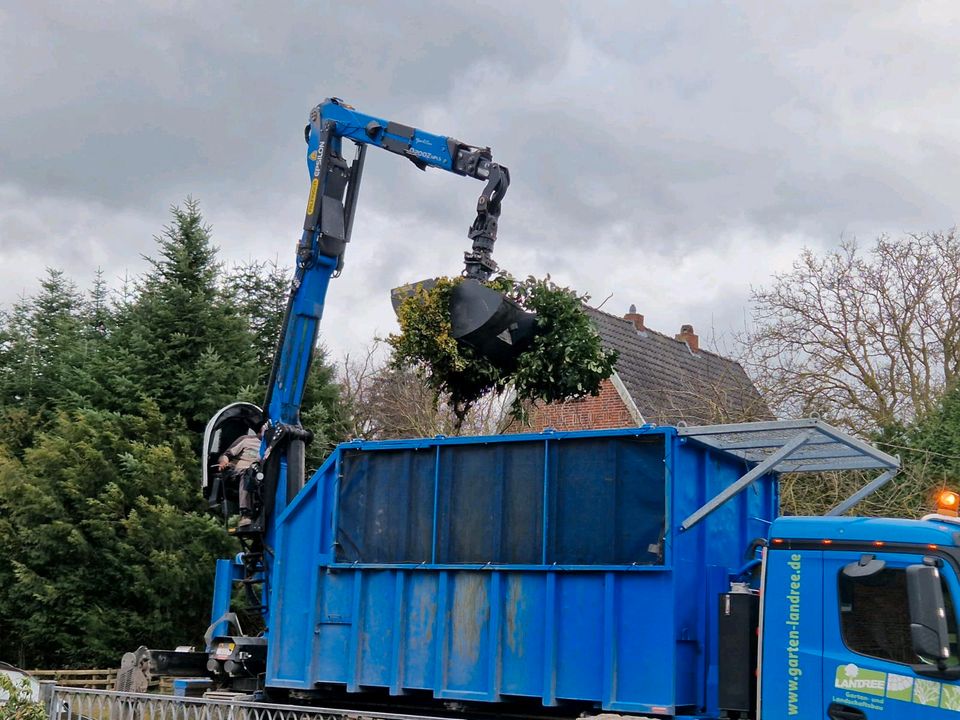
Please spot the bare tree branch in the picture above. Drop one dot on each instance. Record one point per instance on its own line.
(867, 339)
(388, 403)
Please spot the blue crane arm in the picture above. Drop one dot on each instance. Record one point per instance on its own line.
(334, 184)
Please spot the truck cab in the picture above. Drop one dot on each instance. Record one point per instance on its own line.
(844, 614)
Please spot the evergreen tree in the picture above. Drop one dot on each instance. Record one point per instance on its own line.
(93, 364)
(40, 345)
(181, 338)
(101, 408)
(930, 451)
(107, 550)
(259, 292)
(38, 342)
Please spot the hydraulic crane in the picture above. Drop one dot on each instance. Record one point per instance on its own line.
(482, 318)
(327, 227)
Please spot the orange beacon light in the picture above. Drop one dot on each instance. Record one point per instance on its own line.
(948, 503)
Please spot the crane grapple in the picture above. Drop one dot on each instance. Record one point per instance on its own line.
(490, 323)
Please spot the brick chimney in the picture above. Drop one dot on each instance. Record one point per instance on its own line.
(689, 337)
(636, 318)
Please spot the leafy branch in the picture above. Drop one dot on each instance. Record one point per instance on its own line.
(565, 361)
(16, 701)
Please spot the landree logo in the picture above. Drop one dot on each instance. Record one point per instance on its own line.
(900, 687)
(851, 677)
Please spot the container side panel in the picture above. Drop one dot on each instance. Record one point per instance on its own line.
(290, 639)
(334, 626)
(494, 497)
(579, 638)
(763, 507)
(523, 633)
(468, 642)
(641, 662)
(606, 632)
(386, 506)
(521, 537)
(706, 556)
(732, 527)
(376, 627)
(608, 501)
(327, 495)
(689, 649)
(725, 526)
(419, 626)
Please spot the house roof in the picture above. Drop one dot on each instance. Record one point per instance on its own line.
(669, 383)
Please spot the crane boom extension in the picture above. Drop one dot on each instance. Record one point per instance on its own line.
(329, 216)
(334, 186)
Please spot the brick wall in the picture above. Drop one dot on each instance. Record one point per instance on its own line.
(606, 410)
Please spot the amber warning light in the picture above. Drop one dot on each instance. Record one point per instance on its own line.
(948, 503)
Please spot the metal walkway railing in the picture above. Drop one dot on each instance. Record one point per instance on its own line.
(68, 703)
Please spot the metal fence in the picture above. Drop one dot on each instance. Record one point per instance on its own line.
(70, 703)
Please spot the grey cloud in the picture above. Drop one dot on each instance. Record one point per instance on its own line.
(630, 128)
(139, 97)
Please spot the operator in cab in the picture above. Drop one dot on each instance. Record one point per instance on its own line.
(234, 463)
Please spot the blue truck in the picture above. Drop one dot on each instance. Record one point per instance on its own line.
(643, 572)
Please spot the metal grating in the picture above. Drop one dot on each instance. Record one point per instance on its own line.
(824, 447)
(790, 446)
(82, 704)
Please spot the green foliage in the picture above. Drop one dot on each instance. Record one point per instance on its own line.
(105, 541)
(16, 701)
(40, 342)
(108, 550)
(566, 360)
(933, 444)
(182, 338)
(929, 451)
(259, 292)
(426, 342)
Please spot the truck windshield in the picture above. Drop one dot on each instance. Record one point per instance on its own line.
(875, 617)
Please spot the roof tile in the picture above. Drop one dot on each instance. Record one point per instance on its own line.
(670, 384)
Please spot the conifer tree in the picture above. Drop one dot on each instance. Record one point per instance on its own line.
(259, 291)
(92, 366)
(186, 345)
(102, 403)
(105, 552)
(40, 344)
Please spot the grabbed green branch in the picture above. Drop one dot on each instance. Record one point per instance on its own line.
(565, 361)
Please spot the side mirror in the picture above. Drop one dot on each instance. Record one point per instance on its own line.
(866, 566)
(928, 614)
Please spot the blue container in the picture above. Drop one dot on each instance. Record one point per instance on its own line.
(543, 566)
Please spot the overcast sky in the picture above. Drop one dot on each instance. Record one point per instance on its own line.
(667, 155)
